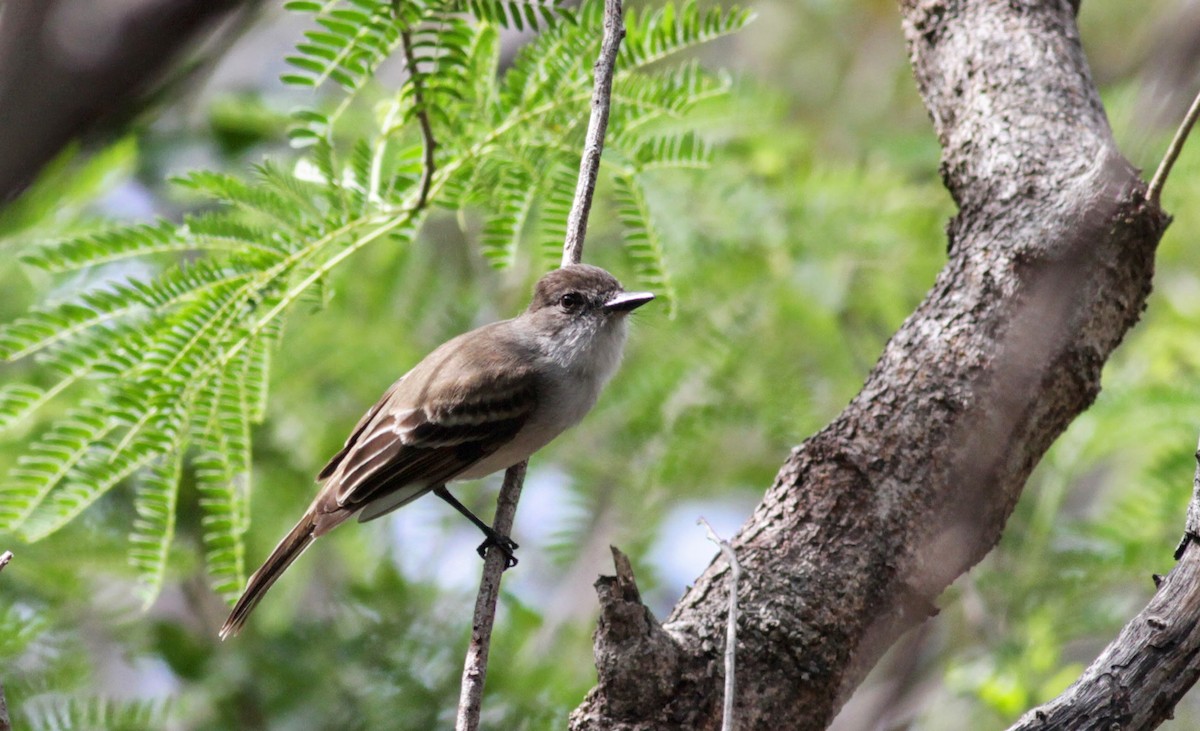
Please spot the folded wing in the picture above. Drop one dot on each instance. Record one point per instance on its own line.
(451, 411)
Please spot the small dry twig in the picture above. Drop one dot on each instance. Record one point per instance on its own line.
(470, 699)
(735, 571)
(589, 163)
(1154, 192)
(5, 722)
(428, 166)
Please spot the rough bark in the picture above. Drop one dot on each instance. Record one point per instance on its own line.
(1050, 260)
(66, 65)
(1138, 679)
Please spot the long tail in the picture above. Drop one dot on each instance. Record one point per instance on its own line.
(292, 545)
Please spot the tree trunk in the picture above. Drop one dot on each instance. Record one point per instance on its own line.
(65, 66)
(1050, 260)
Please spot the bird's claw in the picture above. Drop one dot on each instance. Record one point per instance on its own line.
(506, 546)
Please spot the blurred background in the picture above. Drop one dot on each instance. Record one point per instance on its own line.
(795, 256)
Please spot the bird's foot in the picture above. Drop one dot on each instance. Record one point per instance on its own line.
(504, 544)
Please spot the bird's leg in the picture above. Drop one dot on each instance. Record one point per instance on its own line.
(505, 544)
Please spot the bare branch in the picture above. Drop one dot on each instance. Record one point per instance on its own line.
(5, 722)
(593, 146)
(1164, 168)
(470, 698)
(735, 573)
(1136, 682)
(475, 668)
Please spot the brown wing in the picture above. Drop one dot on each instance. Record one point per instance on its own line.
(462, 403)
(332, 465)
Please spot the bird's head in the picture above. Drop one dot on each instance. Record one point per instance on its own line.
(581, 307)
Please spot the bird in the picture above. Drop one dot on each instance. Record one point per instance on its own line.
(479, 403)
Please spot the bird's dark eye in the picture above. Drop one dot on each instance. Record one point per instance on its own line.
(571, 301)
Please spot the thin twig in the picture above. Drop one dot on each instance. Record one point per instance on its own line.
(5, 722)
(470, 699)
(1164, 168)
(475, 668)
(589, 164)
(428, 166)
(735, 570)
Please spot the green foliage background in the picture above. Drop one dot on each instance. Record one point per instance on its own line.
(792, 216)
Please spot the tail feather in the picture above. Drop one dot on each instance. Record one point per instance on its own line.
(292, 545)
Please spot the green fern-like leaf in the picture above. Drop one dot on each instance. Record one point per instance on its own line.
(18, 401)
(101, 467)
(554, 63)
(265, 203)
(19, 629)
(223, 436)
(56, 712)
(108, 246)
(297, 194)
(217, 230)
(154, 526)
(662, 94)
(520, 14)
(108, 350)
(44, 327)
(502, 228)
(222, 524)
(258, 371)
(654, 36)
(48, 461)
(172, 369)
(351, 43)
(557, 198)
(642, 243)
(672, 151)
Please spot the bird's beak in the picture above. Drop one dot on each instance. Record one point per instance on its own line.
(627, 301)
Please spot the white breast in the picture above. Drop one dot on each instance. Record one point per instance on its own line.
(578, 367)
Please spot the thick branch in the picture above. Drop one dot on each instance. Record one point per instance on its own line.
(1136, 682)
(65, 66)
(1050, 261)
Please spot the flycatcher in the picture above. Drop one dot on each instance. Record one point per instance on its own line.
(479, 403)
